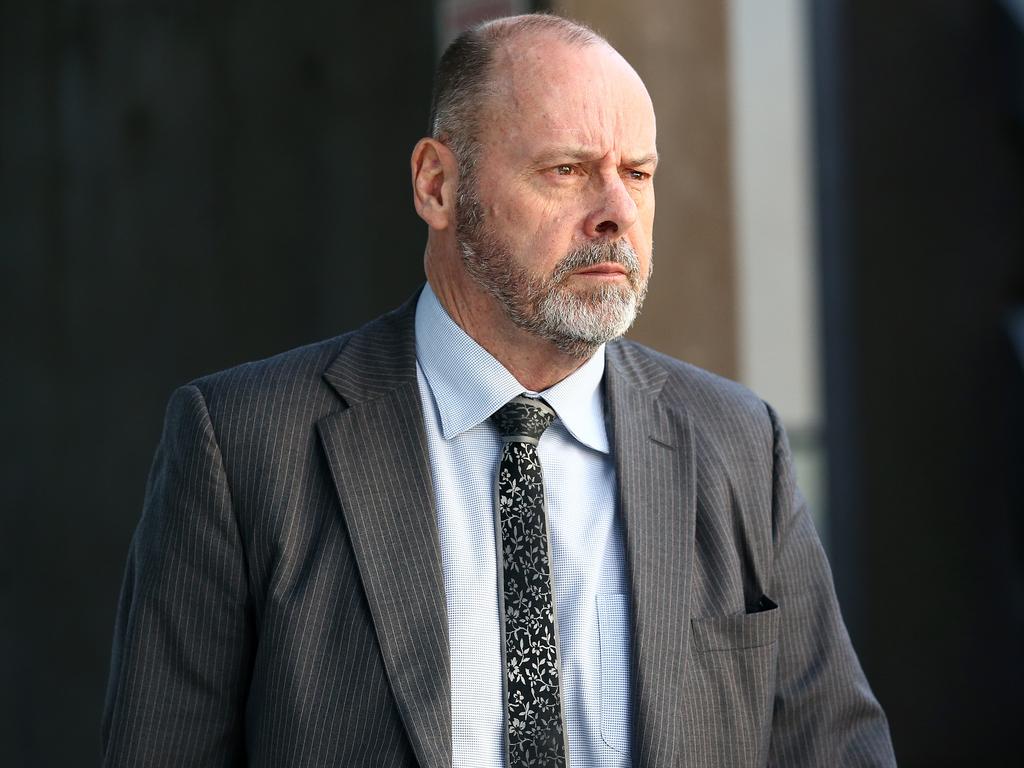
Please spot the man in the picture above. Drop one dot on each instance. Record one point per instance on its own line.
(345, 559)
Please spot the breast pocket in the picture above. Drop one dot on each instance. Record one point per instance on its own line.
(613, 625)
(738, 631)
(731, 686)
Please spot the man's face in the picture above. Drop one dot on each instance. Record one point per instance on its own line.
(556, 221)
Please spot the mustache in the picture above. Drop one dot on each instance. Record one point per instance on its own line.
(599, 252)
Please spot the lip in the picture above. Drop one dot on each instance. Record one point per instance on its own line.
(603, 270)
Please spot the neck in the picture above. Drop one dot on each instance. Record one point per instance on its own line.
(536, 363)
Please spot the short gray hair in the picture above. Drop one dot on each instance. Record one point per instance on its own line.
(463, 83)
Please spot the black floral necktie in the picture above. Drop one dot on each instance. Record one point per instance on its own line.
(536, 736)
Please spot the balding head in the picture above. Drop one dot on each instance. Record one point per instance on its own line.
(465, 77)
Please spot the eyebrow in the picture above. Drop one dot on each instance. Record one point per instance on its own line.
(651, 159)
(582, 154)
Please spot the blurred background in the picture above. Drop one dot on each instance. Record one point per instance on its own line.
(188, 185)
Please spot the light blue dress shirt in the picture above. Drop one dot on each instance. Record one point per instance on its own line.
(461, 385)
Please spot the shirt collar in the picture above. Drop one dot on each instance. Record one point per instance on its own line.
(469, 384)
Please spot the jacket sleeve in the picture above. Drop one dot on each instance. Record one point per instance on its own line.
(824, 713)
(184, 636)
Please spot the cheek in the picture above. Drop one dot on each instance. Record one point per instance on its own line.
(538, 227)
(518, 215)
(555, 233)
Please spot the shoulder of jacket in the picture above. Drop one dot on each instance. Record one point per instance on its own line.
(287, 385)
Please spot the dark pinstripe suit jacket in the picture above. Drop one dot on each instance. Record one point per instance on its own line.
(283, 602)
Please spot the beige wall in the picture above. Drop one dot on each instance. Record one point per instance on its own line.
(679, 47)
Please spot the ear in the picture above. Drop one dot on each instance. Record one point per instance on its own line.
(435, 179)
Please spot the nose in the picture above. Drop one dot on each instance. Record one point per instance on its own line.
(615, 209)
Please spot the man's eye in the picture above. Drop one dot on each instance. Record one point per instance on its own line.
(638, 175)
(563, 170)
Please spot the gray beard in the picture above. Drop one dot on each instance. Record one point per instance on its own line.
(577, 322)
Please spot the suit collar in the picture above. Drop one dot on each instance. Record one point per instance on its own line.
(377, 359)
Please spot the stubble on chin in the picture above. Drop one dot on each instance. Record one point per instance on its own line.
(576, 320)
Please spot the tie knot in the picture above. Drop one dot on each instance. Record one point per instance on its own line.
(523, 417)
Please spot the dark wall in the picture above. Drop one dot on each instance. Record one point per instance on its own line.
(922, 240)
(183, 186)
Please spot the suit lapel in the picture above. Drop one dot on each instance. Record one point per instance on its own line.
(377, 452)
(654, 462)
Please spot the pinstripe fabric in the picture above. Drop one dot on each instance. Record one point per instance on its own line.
(283, 602)
(719, 541)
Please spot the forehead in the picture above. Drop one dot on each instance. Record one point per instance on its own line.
(548, 91)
